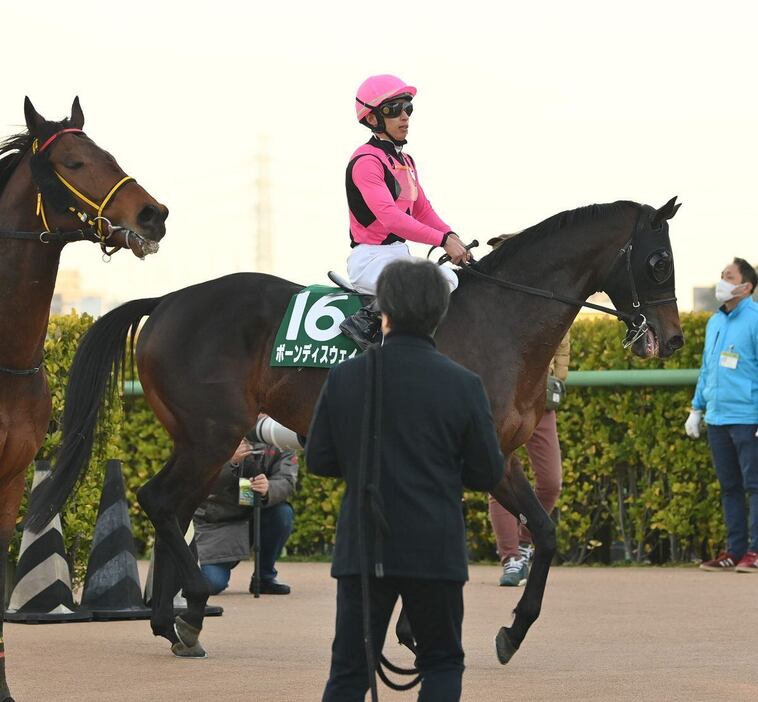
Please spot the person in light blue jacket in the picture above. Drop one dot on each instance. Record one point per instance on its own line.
(727, 391)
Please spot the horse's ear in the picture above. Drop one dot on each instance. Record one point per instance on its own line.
(665, 212)
(77, 116)
(495, 241)
(34, 120)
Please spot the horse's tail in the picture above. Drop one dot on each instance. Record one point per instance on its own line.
(94, 371)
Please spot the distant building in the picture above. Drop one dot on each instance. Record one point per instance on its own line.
(703, 299)
(69, 296)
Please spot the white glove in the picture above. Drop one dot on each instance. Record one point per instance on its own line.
(692, 425)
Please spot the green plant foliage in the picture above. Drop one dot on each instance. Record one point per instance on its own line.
(79, 515)
(145, 449)
(631, 476)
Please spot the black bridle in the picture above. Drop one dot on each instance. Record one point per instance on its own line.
(637, 321)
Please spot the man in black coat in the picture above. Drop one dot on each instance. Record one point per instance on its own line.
(436, 437)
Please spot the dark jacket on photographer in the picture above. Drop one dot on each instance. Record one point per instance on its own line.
(222, 525)
(437, 437)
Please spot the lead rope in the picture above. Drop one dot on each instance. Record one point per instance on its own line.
(368, 643)
(368, 496)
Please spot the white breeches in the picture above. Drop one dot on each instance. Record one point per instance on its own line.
(367, 261)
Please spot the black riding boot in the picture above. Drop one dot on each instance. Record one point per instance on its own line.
(364, 327)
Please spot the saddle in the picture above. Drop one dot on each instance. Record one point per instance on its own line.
(345, 284)
(341, 282)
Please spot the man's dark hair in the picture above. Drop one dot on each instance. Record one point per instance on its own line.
(414, 295)
(747, 272)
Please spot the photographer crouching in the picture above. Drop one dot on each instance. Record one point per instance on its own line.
(224, 521)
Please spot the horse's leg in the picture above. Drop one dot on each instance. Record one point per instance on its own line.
(515, 493)
(165, 585)
(170, 499)
(10, 500)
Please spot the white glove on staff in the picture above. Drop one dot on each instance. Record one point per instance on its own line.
(692, 425)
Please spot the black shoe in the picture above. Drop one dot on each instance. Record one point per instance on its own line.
(272, 587)
(364, 327)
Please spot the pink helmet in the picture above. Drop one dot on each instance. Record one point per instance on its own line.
(376, 89)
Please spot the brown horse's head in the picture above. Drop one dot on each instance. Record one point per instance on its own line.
(78, 179)
(642, 283)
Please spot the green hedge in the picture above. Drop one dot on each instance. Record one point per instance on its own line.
(80, 514)
(631, 477)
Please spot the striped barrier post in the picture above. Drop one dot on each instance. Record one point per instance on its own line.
(112, 586)
(42, 592)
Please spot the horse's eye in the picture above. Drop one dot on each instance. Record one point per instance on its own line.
(73, 165)
(660, 266)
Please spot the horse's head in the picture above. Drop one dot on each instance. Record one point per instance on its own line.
(642, 283)
(76, 178)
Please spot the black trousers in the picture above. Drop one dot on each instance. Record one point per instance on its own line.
(435, 612)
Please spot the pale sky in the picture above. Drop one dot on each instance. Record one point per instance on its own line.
(523, 110)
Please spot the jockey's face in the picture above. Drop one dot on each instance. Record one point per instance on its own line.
(394, 127)
(397, 127)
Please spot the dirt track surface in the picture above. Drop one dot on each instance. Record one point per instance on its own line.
(605, 634)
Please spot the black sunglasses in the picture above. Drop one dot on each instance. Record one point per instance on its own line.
(395, 108)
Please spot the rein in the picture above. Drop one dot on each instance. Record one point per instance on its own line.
(637, 322)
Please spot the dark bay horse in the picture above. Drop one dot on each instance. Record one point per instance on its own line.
(56, 186)
(203, 360)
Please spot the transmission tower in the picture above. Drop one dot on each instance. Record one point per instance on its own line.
(264, 254)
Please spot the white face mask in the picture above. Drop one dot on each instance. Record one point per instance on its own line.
(725, 291)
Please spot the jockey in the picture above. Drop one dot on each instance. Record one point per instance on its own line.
(387, 204)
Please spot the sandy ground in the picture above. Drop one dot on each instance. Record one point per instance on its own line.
(605, 634)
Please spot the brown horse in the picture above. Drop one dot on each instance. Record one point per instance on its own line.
(203, 359)
(56, 186)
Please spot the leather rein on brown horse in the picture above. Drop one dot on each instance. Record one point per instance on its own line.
(638, 325)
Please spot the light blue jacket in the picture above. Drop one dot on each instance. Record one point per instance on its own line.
(730, 395)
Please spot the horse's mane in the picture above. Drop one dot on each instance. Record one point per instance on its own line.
(12, 150)
(550, 226)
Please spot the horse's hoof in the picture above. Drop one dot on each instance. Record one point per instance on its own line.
(182, 651)
(504, 646)
(188, 634)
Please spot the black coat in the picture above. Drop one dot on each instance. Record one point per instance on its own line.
(437, 437)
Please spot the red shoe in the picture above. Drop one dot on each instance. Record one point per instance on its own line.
(749, 563)
(723, 562)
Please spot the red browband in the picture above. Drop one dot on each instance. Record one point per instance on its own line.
(56, 135)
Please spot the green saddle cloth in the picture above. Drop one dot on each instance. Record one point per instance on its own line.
(309, 335)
